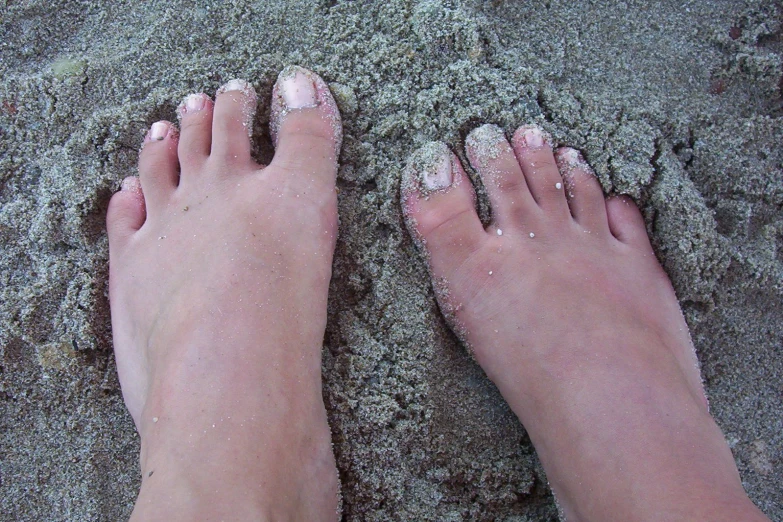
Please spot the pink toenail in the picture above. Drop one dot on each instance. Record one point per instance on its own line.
(298, 91)
(195, 102)
(441, 176)
(159, 130)
(533, 137)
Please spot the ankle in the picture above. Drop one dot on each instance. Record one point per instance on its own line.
(664, 468)
(183, 489)
(239, 470)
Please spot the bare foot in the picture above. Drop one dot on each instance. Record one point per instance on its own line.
(219, 272)
(567, 310)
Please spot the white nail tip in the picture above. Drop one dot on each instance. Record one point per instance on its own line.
(130, 184)
(572, 157)
(441, 177)
(235, 85)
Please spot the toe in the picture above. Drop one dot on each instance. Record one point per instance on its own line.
(626, 222)
(306, 128)
(438, 202)
(232, 121)
(492, 157)
(195, 138)
(158, 164)
(533, 149)
(126, 211)
(582, 189)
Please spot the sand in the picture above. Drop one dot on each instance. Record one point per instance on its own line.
(676, 103)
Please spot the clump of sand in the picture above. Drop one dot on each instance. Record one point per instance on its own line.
(678, 106)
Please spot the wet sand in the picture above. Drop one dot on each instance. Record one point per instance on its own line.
(678, 106)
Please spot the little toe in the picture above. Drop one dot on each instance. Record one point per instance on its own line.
(306, 128)
(126, 211)
(492, 157)
(439, 206)
(533, 149)
(158, 164)
(195, 139)
(232, 121)
(626, 222)
(582, 189)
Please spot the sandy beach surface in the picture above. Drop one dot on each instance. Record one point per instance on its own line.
(677, 103)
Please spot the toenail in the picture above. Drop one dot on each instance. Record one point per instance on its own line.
(298, 90)
(571, 157)
(485, 142)
(429, 169)
(195, 102)
(533, 137)
(440, 175)
(159, 130)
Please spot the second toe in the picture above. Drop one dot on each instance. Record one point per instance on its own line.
(159, 165)
(232, 122)
(195, 139)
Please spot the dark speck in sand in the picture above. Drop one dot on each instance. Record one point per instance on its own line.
(9, 107)
(718, 87)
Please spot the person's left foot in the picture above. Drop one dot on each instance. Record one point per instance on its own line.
(219, 273)
(569, 313)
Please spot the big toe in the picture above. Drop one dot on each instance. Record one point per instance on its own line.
(159, 165)
(306, 128)
(438, 203)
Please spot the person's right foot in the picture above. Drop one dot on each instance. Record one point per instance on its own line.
(566, 308)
